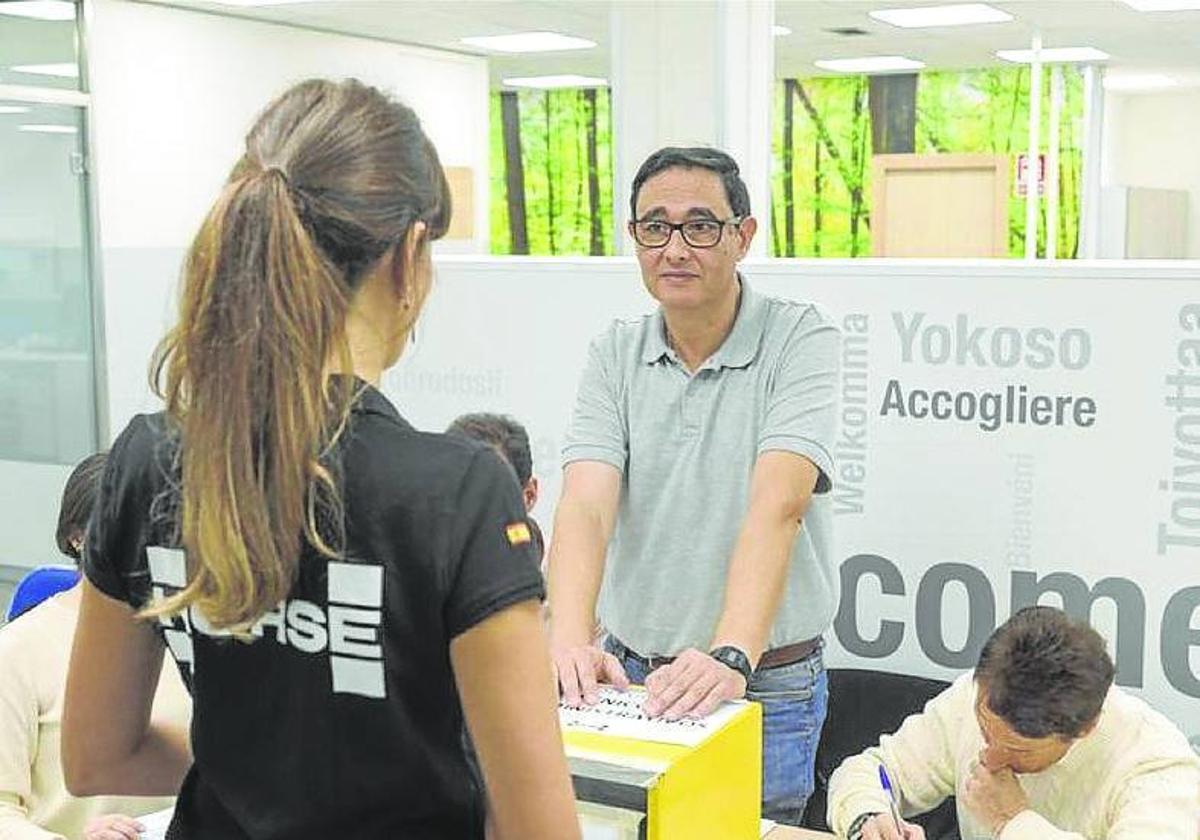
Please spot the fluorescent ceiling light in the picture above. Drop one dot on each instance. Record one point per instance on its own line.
(64, 71)
(1163, 5)
(49, 129)
(870, 64)
(528, 42)
(13, 109)
(564, 81)
(261, 2)
(39, 9)
(1139, 81)
(961, 14)
(778, 30)
(1055, 55)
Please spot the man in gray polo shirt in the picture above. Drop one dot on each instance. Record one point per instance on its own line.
(697, 468)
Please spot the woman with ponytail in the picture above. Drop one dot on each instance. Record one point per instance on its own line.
(340, 592)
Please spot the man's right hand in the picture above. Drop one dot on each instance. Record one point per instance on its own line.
(883, 827)
(581, 668)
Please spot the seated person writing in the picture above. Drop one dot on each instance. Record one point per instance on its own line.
(1036, 744)
(34, 652)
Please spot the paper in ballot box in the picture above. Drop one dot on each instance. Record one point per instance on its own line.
(638, 777)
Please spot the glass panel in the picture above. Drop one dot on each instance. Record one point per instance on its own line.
(36, 52)
(904, 164)
(47, 400)
(559, 145)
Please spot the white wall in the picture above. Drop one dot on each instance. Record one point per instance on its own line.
(173, 95)
(921, 496)
(1150, 141)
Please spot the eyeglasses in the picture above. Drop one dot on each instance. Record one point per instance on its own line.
(699, 233)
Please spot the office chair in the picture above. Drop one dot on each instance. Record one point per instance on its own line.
(862, 706)
(38, 585)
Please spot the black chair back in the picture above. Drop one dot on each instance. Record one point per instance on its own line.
(862, 706)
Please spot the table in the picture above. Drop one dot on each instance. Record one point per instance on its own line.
(785, 832)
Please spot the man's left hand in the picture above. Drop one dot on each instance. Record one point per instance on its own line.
(993, 797)
(694, 685)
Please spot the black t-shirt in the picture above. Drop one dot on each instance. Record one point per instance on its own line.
(341, 719)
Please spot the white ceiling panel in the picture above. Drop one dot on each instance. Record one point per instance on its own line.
(1135, 40)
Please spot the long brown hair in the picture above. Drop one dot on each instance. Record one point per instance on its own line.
(333, 177)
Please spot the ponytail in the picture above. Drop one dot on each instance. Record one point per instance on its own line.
(334, 176)
(243, 375)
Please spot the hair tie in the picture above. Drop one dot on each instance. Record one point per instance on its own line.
(275, 169)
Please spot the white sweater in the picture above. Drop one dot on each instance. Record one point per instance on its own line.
(1132, 778)
(35, 651)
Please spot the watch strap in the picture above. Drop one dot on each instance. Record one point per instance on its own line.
(856, 827)
(735, 658)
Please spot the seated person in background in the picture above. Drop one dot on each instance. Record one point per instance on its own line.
(34, 652)
(511, 441)
(1037, 744)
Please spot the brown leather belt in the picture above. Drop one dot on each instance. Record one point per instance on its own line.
(789, 654)
(773, 658)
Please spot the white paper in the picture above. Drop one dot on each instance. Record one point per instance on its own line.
(155, 825)
(619, 713)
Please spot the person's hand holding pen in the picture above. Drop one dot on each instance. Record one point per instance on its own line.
(889, 826)
(883, 827)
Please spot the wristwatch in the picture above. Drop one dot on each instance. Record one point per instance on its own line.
(732, 657)
(856, 827)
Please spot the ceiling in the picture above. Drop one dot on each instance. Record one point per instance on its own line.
(1136, 41)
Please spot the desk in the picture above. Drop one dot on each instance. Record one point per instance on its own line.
(786, 832)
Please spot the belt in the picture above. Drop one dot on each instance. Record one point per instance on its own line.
(773, 658)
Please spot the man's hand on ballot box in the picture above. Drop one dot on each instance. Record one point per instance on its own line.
(693, 685)
(580, 669)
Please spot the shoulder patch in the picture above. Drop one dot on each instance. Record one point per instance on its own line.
(518, 533)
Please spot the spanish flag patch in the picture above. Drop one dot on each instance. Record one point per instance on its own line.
(518, 533)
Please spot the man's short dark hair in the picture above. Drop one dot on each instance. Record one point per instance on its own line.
(695, 157)
(502, 433)
(1045, 673)
(78, 499)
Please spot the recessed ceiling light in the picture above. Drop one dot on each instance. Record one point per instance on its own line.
(39, 9)
(64, 71)
(780, 30)
(870, 64)
(1139, 81)
(49, 129)
(1055, 55)
(13, 109)
(1163, 5)
(563, 81)
(527, 42)
(960, 14)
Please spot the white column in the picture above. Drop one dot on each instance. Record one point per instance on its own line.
(699, 73)
(1093, 144)
(1056, 103)
(1035, 128)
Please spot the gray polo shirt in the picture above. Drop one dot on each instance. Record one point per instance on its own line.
(686, 445)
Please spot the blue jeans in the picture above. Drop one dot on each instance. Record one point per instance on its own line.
(794, 699)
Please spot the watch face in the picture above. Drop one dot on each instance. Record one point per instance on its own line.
(733, 658)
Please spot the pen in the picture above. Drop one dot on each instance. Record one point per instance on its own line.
(892, 804)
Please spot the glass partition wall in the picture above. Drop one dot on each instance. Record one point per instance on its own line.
(49, 416)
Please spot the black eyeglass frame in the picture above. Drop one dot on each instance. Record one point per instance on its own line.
(678, 226)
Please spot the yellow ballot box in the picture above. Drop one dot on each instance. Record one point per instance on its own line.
(637, 777)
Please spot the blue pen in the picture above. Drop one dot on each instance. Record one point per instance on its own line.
(892, 804)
